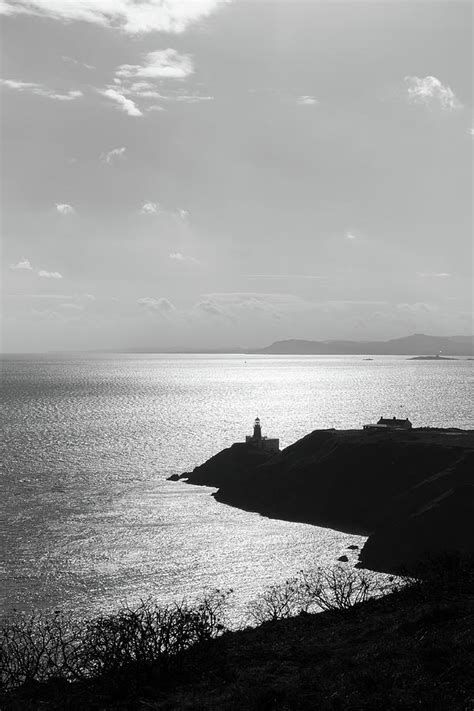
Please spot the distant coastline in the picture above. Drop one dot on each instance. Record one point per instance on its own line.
(418, 344)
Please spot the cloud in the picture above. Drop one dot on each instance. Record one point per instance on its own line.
(183, 214)
(212, 309)
(40, 90)
(307, 101)
(435, 275)
(87, 298)
(162, 64)
(72, 306)
(125, 104)
(350, 235)
(429, 91)
(113, 155)
(65, 209)
(189, 98)
(71, 60)
(178, 257)
(160, 307)
(131, 16)
(23, 264)
(251, 305)
(49, 275)
(150, 208)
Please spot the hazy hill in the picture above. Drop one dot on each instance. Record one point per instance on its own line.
(417, 344)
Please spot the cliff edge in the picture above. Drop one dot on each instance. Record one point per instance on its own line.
(411, 492)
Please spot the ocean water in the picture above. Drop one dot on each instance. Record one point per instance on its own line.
(89, 520)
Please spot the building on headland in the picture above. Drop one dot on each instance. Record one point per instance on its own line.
(390, 423)
(260, 442)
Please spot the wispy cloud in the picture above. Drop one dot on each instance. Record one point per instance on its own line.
(162, 64)
(49, 275)
(142, 83)
(179, 257)
(306, 100)
(76, 62)
(429, 91)
(435, 275)
(65, 209)
(40, 90)
(125, 104)
(22, 264)
(131, 16)
(350, 235)
(113, 155)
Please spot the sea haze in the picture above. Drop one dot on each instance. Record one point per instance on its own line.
(88, 441)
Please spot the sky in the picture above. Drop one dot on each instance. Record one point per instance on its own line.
(205, 173)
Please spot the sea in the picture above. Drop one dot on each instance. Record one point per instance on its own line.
(90, 521)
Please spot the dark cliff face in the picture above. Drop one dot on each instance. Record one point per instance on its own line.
(228, 466)
(403, 488)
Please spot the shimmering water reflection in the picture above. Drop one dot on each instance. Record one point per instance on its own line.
(87, 444)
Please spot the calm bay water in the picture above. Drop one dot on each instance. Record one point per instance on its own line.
(88, 441)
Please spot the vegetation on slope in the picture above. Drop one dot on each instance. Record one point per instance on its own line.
(413, 648)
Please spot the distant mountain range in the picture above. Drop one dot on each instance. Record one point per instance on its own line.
(417, 344)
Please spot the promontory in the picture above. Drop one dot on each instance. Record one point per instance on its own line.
(411, 492)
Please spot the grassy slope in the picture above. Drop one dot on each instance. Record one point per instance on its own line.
(409, 650)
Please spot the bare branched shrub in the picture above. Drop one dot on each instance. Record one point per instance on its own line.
(38, 647)
(313, 590)
(279, 601)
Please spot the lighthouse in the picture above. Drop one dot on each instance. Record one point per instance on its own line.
(257, 429)
(258, 441)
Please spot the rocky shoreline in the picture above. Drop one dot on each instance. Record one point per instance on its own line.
(411, 493)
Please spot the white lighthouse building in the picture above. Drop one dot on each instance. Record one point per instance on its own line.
(257, 440)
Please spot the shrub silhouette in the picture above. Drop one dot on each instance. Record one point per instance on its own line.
(39, 647)
(316, 589)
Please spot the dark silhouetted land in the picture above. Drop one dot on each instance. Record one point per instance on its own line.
(413, 649)
(411, 492)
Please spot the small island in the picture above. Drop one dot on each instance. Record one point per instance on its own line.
(432, 357)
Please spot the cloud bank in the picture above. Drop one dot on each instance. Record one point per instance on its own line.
(130, 16)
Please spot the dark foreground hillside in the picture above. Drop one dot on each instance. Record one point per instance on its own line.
(413, 649)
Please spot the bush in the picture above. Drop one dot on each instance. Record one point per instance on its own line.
(39, 647)
(313, 590)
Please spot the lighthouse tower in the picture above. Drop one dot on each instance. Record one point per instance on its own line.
(257, 429)
(260, 442)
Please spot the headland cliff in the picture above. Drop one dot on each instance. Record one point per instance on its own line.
(411, 492)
